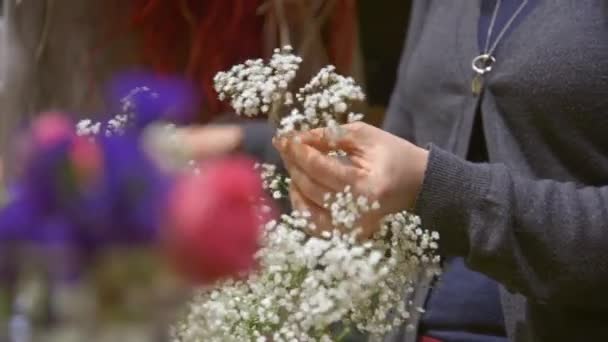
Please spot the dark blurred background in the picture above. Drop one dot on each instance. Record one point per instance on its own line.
(382, 26)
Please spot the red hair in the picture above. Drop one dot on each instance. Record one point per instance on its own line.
(342, 40)
(198, 38)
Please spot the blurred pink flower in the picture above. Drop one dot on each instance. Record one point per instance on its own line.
(45, 133)
(214, 222)
(51, 128)
(87, 160)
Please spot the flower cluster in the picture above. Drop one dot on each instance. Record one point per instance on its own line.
(272, 181)
(306, 284)
(141, 99)
(90, 193)
(147, 110)
(81, 194)
(120, 123)
(346, 209)
(115, 126)
(254, 87)
(325, 101)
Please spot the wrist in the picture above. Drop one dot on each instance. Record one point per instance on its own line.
(212, 140)
(233, 136)
(419, 167)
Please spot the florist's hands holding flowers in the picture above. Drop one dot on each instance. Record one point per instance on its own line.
(382, 167)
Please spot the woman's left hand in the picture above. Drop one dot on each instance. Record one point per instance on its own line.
(211, 140)
(382, 167)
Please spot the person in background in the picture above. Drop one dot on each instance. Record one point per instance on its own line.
(495, 136)
(321, 31)
(197, 39)
(526, 206)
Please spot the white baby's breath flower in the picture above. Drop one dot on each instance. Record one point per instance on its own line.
(253, 87)
(354, 117)
(324, 100)
(272, 181)
(256, 87)
(119, 123)
(86, 127)
(306, 284)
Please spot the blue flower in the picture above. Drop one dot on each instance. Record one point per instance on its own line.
(129, 202)
(89, 195)
(152, 98)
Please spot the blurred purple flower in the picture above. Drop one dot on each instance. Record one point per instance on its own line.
(130, 199)
(153, 97)
(86, 195)
(80, 197)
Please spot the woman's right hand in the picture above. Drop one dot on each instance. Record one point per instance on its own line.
(382, 167)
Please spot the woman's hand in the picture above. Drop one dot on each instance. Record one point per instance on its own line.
(382, 167)
(211, 140)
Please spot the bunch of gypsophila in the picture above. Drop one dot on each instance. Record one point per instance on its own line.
(159, 135)
(119, 123)
(308, 284)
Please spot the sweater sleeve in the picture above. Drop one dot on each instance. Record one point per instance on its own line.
(257, 141)
(398, 120)
(545, 239)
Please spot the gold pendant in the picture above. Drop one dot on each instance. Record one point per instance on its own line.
(477, 84)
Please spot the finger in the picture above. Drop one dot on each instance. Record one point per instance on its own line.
(315, 138)
(325, 140)
(319, 217)
(312, 190)
(328, 171)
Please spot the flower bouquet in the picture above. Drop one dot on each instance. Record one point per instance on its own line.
(109, 203)
(311, 287)
(94, 223)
